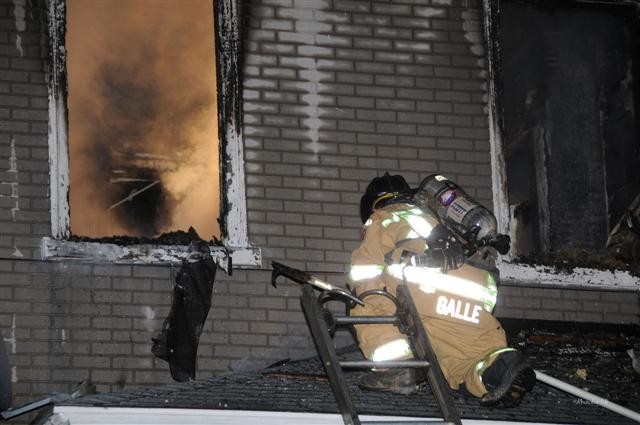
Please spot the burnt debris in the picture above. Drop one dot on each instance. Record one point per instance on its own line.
(178, 237)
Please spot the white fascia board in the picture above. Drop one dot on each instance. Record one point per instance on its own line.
(579, 277)
(74, 415)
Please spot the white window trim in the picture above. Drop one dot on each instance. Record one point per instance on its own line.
(511, 271)
(235, 240)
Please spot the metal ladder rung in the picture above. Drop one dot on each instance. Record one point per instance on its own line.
(438, 422)
(367, 320)
(387, 364)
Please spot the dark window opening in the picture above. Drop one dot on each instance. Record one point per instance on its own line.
(568, 96)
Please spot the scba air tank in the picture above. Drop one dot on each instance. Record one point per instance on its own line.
(457, 209)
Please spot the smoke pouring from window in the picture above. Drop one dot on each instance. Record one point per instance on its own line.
(143, 141)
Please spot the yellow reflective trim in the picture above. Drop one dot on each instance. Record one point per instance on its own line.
(432, 279)
(365, 271)
(393, 350)
(415, 219)
(420, 225)
(482, 364)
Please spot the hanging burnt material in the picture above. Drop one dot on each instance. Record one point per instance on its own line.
(177, 343)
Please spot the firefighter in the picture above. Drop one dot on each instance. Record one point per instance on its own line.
(454, 296)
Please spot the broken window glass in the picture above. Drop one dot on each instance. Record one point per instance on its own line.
(142, 112)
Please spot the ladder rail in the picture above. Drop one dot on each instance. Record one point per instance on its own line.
(328, 356)
(422, 349)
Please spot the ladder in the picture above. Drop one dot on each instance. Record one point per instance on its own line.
(322, 324)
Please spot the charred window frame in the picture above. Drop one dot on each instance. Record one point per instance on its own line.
(515, 267)
(235, 247)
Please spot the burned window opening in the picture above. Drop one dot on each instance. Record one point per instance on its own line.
(142, 111)
(565, 101)
(233, 216)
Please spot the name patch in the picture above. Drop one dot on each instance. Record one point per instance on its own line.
(457, 309)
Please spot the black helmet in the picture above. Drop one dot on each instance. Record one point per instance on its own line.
(383, 191)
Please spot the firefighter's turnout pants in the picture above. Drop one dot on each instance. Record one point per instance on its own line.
(455, 308)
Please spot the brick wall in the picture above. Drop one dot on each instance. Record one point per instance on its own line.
(568, 305)
(336, 92)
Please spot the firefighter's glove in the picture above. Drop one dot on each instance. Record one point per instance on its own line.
(447, 252)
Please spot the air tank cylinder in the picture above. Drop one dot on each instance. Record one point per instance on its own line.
(459, 211)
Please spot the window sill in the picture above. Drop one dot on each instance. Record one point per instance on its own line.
(56, 249)
(541, 275)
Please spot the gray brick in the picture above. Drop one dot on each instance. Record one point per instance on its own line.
(111, 323)
(359, 126)
(621, 318)
(583, 316)
(268, 328)
(432, 59)
(353, 6)
(333, 40)
(599, 306)
(276, 24)
(391, 9)
(315, 51)
(621, 297)
(347, 29)
(396, 104)
(372, 20)
(372, 43)
(396, 128)
(313, 27)
(277, 49)
(15, 76)
(292, 230)
(630, 308)
(472, 133)
(395, 80)
(12, 228)
(393, 57)
(430, 12)
(231, 326)
(102, 296)
(14, 126)
(392, 33)
(404, 22)
(29, 115)
(333, 64)
(8, 100)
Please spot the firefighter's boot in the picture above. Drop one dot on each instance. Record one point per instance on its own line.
(398, 380)
(507, 380)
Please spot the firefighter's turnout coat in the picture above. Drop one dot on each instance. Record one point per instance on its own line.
(455, 308)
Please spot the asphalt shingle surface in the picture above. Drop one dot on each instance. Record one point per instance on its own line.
(595, 360)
